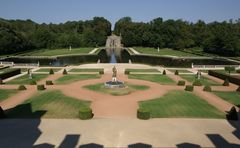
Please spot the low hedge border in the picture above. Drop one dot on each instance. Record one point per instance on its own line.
(189, 88)
(143, 113)
(231, 78)
(9, 73)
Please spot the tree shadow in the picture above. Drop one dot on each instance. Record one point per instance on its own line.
(187, 145)
(70, 141)
(140, 145)
(219, 141)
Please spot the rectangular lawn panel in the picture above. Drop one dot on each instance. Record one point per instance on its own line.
(25, 79)
(72, 78)
(205, 81)
(142, 70)
(86, 70)
(179, 70)
(162, 79)
(48, 104)
(6, 93)
(47, 70)
(181, 104)
(232, 97)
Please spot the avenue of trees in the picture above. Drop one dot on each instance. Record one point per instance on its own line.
(22, 35)
(221, 38)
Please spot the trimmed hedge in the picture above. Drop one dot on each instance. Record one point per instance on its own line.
(126, 72)
(164, 72)
(232, 114)
(101, 72)
(65, 72)
(9, 73)
(32, 82)
(176, 72)
(22, 87)
(226, 82)
(51, 72)
(143, 114)
(41, 87)
(189, 88)
(49, 82)
(231, 78)
(197, 83)
(1, 81)
(2, 114)
(85, 113)
(181, 83)
(207, 88)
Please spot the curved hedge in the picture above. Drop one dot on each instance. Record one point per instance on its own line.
(143, 114)
(197, 83)
(41, 87)
(207, 88)
(49, 82)
(32, 82)
(85, 113)
(189, 88)
(22, 87)
(181, 83)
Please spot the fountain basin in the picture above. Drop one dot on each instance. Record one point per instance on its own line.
(117, 84)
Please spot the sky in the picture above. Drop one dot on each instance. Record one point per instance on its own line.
(60, 11)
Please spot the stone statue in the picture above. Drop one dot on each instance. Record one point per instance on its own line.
(30, 74)
(114, 76)
(198, 75)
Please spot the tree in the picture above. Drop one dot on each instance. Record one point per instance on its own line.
(229, 69)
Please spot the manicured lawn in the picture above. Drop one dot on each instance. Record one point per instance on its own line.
(205, 81)
(232, 97)
(73, 78)
(25, 79)
(48, 69)
(116, 92)
(48, 104)
(142, 70)
(176, 104)
(165, 51)
(86, 70)
(179, 70)
(54, 52)
(6, 93)
(158, 78)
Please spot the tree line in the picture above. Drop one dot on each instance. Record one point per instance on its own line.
(22, 35)
(221, 38)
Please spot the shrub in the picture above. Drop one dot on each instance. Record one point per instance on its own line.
(238, 89)
(207, 88)
(1, 81)
(238, 70)
(181, 83)
(197, 83)
(101, 72)
(126, 72)
(232, 114)
(49, 82)
(65, 72)
(51, 72)
(176, 72)
(226, 82)
(22, 87)
(164, 72)
(41, 87)
(9, 73)
(189, 88)
(32, 82)
(85, 113)
(232, 79)
(143, 114)
(229, 69)
(2, 114)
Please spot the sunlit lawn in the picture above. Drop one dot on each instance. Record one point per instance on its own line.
(158, 78)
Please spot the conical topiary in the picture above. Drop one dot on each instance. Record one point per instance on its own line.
(226, 82)
(176, 72)
(164, 72)
(65, 72)
(51, 72)
(232, 114)
(1, 81)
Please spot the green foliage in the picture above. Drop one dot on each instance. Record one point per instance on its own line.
(189, 88)
(49, 82)
(229, 69)
(126, 72)
(85, 113)
(181, 83)
(238, 70)
(207, 88)
(164, 72)
(51, 72)
(226, 82)
(176, 72)
(65, 72)
(22, 87)
(41, 87)
(32, 82)
(232, 114)
(143, 114)
(101, 72)
(1, 81)
(197, 82)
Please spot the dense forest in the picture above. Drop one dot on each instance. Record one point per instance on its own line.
(221, 38)
(22, 35)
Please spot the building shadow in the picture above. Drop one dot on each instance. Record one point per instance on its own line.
(91, 145)
(219, 141)
(236, 126)
(70, 141)
(187, 145)
(140, 145)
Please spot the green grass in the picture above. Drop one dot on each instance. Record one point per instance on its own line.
(54, 52)
(116, 92)
(232, 97)
(142, 70)
(86, 70)
(165, 51)
(162, 79)
(48, 104)
(73, 78)
(205, 81)
(6, 93)
(25, 79)
(179, 70)
(48, 69)
(182, 104)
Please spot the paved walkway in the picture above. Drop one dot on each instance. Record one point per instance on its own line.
(93, 51)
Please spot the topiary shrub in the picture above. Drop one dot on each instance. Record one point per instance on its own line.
(197, 83)
(226, 82)
(232, 114)
(101, 72)
(49, 82)
(1, 81)
(85, 113)
(238, 89)
(143, 114)
(189, 88)
(176, 72)
(51, 72)
(207, 88)
(181, 83)
(164, 72)
(22, 87)
(41, 87)
(2, 114)
(65, 72)
(32, 82)
(126, 72)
